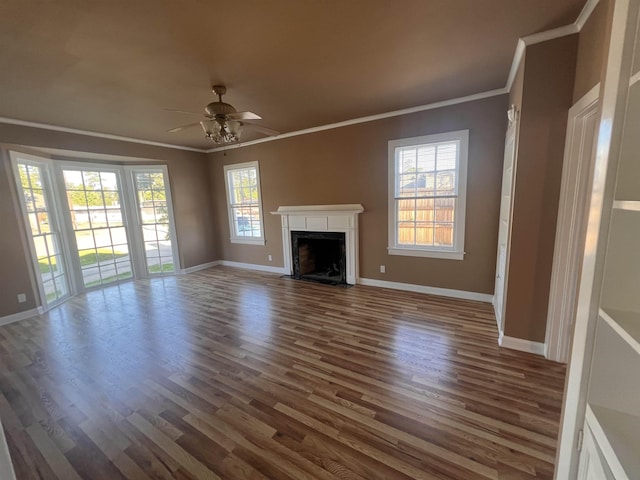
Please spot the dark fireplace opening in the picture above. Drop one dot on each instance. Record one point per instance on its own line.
(319, 256)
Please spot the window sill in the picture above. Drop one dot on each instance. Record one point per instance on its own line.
(412, 252)
(248, 241)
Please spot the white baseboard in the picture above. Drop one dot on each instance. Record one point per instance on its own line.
(253, 266)
(15, 317)
(521, 344)
(443, 292)
(202, 266)
(6, 466)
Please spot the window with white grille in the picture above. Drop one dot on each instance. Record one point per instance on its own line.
(427, 189)
(242, 181)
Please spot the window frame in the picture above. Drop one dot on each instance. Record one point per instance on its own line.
(138, 236)
(51, 195)
(230, 206)
(456, 251)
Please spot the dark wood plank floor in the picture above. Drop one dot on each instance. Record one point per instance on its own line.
(241, 375)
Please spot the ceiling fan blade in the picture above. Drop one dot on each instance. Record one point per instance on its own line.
(244, 116)
(182, 111)
(259, 128)
(177, 129)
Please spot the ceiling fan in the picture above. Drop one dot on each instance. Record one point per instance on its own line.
(222, 123)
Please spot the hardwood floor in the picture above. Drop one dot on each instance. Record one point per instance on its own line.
(235, 374)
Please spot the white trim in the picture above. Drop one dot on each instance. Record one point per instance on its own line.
(517, 58)
(456, 251)
(550, 34)
(16, 317)
(202, 266)
(6, 466)
(630, 205)
(413, 252)
(89, 133)
(513, 343)
(347, 208)
(540, 37)
(253, 266)
(370, 118)
(503, 251)
(586, 12)
(578, 163)
(233, 238)
(442, 292)
(634, 79)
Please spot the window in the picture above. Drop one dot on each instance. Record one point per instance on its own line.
(94, 197)
(89, 226)
(155, 218)
(242, 181)
(427, 187)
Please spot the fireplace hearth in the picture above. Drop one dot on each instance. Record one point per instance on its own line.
(319, 256)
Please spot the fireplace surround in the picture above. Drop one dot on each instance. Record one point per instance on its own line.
(320, 219)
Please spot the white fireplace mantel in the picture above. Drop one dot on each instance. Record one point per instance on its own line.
(322, 218)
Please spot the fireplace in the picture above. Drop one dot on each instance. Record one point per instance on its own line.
(319, 256)
(321, 219)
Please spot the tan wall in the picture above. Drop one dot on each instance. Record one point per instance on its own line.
(349, 165)
(189, 179)
(592, 48)
(548, 81)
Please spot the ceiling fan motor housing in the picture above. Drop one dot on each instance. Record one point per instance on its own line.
(215, 109)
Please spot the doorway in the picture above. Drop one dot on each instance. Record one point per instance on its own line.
(44, 229)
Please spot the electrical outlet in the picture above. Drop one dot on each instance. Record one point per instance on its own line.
(22, 297)
(270, 258)
(383, 269)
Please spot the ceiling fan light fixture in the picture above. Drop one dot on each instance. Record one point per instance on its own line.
(222, 131)
(235, 128)
(223, 124)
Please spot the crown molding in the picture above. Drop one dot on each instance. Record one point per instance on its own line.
(89, 133)
(550, 34)
(540, 37)
(517, 58)
(586, 12)
(369, 118)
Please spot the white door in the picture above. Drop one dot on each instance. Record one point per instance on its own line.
(38, 204)
(504, 230)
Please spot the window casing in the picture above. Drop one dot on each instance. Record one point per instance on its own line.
(242, 182)
(427, 195)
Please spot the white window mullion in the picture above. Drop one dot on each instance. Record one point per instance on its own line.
(130, 211)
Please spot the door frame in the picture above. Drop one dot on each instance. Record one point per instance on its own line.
(511, 134)
(51, 195)
(571, 229)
